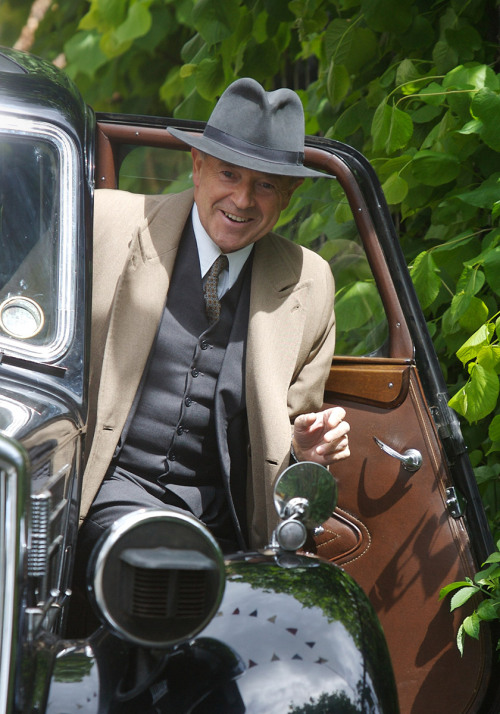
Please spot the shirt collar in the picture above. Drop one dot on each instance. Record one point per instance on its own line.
(208, 251)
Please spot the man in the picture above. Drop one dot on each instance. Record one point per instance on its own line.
(196, 392)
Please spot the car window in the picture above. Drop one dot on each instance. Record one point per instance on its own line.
(318, 217)
(37, 196)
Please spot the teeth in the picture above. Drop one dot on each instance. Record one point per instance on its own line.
(238, 219)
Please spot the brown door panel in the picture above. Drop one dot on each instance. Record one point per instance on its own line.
(393, 533)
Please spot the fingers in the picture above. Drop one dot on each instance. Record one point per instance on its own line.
(306, 422)
(322, 436)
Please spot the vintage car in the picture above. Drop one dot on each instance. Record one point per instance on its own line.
(289, 629)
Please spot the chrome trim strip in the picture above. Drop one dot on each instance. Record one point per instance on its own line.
(11, 544)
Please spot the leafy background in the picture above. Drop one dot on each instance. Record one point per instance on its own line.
(414, 85)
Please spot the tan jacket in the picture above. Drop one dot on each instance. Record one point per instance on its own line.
(289, 348)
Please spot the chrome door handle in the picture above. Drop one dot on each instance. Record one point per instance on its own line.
(411, 459)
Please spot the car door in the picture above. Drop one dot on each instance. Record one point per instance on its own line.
(401, 528)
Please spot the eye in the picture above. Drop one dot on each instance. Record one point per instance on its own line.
(227, 174)
(266, 187)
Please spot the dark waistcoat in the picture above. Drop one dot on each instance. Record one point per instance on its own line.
(192, 395)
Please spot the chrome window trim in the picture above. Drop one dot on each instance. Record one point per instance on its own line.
(11, 530)
(67, 153)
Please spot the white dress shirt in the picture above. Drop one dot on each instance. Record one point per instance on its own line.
(208, 251)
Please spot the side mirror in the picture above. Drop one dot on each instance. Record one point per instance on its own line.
(304, 497)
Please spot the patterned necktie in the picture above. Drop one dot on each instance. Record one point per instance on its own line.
(212, 304)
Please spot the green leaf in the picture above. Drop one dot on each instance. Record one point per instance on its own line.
(444, 56)
(395, 189)
(487, 610)
(485, 195)
(486, 107)
(137, 24)
(215, 21)
(193, 107)
(484, 474)
(472, 77)
(104, 15)
(489, 357)
(351, 120)
(406, 74)
(471, 626)
(425, 275)
(453, 586)
(460, 639)
(338, 83)
(387, 15)
(84, 53)
(355, 306)
(471, 281)
(470, 349)
(479, 396)
(260, 61)
(210, 79)
(391, 128)
(475, 315)
(433, 168)
(492, 269)
(486, 576)
(462, 596)
(494, 428)
(493, 558)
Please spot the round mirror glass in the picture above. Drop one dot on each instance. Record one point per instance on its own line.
(310, 481)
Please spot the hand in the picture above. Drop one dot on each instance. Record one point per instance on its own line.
(321, 437)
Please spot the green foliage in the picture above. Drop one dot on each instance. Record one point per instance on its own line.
(413, 85)
(486, 583)
(12, 18)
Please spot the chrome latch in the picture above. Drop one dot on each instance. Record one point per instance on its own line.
(453, 503)
(411, 458)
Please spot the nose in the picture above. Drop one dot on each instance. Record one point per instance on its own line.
(244, 195)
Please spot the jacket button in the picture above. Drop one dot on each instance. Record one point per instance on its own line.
(188, 401)
(204, 344)
(194, 372)
(180, 430)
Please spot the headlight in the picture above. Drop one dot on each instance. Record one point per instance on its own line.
(157, 578)
(21, 317)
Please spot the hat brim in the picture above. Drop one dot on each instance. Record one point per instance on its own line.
(240, 158)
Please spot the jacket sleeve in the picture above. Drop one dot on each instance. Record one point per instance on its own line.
(306, 390)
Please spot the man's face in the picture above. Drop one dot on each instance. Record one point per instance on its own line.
(237, 206)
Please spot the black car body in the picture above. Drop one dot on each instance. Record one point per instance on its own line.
(292, 630)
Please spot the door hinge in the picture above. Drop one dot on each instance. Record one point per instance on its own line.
(455, 502)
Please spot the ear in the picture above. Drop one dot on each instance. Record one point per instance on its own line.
(197, 158)
(288, 193)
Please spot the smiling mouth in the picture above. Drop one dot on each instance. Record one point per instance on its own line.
(236, 219)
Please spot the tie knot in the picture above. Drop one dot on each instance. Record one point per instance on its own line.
(211, 297)
(219, 264)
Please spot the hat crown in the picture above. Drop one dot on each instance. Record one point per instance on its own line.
(272, 120)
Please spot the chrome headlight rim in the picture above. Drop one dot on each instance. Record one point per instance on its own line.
(104, 551)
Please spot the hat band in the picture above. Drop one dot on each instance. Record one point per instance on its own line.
(278, 156)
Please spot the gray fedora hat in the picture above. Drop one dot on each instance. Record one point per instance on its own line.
(255, 129)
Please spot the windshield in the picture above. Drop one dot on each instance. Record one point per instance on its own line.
(37, 198)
